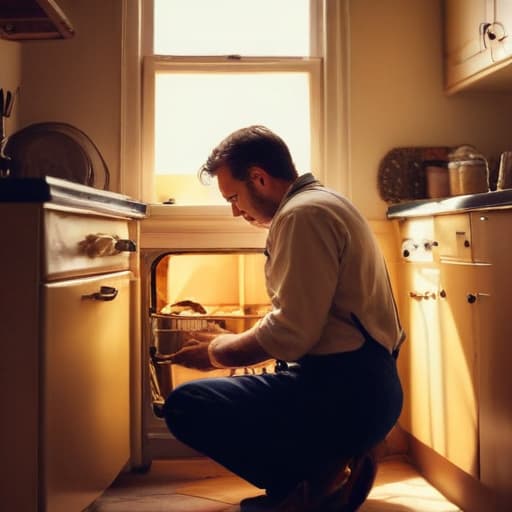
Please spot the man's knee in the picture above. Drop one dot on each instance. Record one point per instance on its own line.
(178, 408)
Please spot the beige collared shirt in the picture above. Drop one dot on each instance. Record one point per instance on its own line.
(324, 265)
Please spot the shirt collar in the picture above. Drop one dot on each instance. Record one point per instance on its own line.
(302, 182)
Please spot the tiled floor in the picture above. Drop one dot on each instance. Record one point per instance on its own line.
(199, 485)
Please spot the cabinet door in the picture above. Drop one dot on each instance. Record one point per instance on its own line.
(503, 27)
(497, 33)
(465, 51)
(492, 231)
(85, 387)
(459, 319)
(419, 361)
(438, 363)
(462, 28)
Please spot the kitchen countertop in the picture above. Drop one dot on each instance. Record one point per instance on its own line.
(67, 193)
(427, 207)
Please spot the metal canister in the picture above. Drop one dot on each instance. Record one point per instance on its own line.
(468, 172)
(437, 179)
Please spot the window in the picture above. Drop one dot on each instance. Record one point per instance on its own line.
(224, 27)
(213, 66)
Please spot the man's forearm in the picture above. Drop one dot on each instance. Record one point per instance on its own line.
(235, 350)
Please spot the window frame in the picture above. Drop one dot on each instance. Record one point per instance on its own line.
(166, 64)
(330, 42)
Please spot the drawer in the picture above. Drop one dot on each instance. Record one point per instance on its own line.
(81, 244)
(453, 236)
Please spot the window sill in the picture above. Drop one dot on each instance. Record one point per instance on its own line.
(198, 227)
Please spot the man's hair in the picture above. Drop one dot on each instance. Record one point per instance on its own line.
(248, 147)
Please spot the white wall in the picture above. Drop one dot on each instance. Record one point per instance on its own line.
(78, 80)
(396, 90)
(397, 98)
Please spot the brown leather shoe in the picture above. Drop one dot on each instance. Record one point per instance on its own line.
(352, 494)
(342, 488)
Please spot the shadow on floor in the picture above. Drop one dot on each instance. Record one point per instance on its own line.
(199, 485)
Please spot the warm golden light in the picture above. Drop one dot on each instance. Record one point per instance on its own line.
(227, 27)
(198, 104)
(195, 111)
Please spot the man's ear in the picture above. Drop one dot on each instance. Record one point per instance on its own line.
(258, 176)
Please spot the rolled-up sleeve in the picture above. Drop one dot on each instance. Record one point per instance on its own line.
(302, 277)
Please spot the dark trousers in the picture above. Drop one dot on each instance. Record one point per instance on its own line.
(275, 430)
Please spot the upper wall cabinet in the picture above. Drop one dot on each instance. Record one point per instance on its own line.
(478, 45)
(22, 20)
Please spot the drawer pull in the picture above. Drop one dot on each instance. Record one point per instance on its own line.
(422, 295)
(125, 245)
(106, 293)
(471, 297)
(102, 244)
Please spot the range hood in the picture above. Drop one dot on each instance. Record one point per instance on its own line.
(25, 20)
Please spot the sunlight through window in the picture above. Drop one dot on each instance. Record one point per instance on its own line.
(224, 27)
(197, 110)
(196, 95)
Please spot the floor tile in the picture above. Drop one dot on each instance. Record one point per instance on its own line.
(164, 503)
(200, 485)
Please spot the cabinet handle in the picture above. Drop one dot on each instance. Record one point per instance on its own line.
(102, 244)
(429, 244)
(105, 294)
(471, 298)
(422, 295)
(493, 31)
(125, 245)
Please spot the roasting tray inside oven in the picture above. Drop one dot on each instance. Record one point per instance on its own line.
(169, 332)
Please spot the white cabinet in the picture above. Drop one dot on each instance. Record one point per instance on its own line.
(492, 231)
(441, 359)
(459, 313)
(456, 364)
(85, 400)
(477, 44)
(64, 365)
(419, 284)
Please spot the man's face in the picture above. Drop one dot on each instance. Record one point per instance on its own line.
(250, 199)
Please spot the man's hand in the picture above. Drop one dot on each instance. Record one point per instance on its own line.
(193, 354)
(229, 351)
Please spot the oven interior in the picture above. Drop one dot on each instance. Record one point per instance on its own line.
(195, 292)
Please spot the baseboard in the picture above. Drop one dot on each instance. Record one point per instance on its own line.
(457, 486)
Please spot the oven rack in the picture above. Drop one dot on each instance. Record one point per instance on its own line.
(199, 322)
